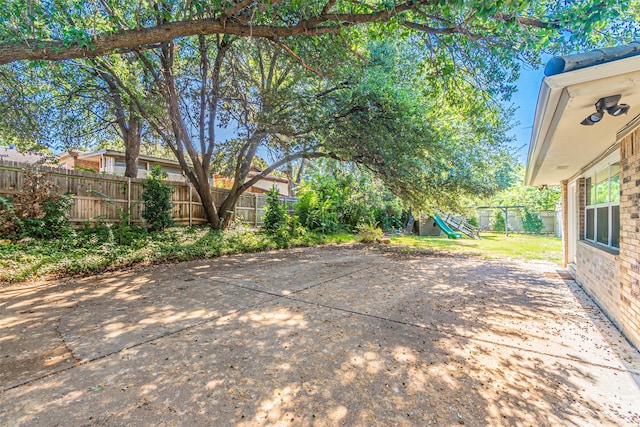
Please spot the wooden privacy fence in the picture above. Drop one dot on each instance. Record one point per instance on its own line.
(124, 196)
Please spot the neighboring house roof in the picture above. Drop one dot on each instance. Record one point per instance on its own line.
(561, 148)
(255, 171)
(11, 154)
(119, 154)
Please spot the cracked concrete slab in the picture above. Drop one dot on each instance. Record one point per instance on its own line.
(337, 335)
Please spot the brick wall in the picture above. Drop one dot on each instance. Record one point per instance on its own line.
(87, 164)
(599, 274)
(629, 237)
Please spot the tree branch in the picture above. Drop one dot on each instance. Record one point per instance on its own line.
(327, 8)
(106, 43)
(296, 57)
(284, 161)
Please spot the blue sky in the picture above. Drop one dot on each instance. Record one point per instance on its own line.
(525, 100)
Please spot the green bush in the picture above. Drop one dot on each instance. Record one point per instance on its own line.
(392, 215)
(157, 200)
(339, 200)
(317, 214)
(368, 233)
(275, 213)
(531, 222)
(497, 223)
(285, 230)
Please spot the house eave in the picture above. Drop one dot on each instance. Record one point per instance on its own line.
(560, 147)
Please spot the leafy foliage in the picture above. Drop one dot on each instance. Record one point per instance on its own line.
(498, 221)
(531, 221)
(95, 249)
(157, 200)
(283, 228)
(75, 28)
(368, 233)
(120, 231)
(406, 89)
(275, 213)
(37, 210)
(335, 198)
(534, 199)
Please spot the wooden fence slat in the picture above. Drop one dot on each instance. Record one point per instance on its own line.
(125, 195)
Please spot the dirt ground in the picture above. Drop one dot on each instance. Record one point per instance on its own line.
(336, 335)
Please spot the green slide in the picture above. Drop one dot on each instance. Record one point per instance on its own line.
(444, 227)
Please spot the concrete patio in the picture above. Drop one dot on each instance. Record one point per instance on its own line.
(336, 335)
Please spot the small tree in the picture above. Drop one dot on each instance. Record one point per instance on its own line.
(157, 200)
(498, 222)
(531, 222)
(275, 214)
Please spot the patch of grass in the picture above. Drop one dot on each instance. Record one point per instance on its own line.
(493, 245)
(91, 251)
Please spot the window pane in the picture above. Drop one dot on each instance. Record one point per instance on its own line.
(603, 225)
(615, 226)
(615, 182)
(590, 189)
(602, 186)
(590, 223)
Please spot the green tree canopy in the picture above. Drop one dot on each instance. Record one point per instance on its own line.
(407, 89)
(75, 29)
(534, 199)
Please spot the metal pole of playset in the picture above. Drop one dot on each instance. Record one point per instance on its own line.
(504, 209)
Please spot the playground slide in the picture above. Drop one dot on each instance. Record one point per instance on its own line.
(444, 227)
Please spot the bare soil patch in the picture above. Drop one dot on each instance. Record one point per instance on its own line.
(335, 335)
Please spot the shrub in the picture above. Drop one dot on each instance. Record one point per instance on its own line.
(391, 216)
(275, 213)
(340, 200)
(157, 200)
(497, 223)
(316, 213)
(285, 230)
(37, 210)
(368, 233)
(531, 222)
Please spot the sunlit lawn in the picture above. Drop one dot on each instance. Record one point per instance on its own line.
(493, 245)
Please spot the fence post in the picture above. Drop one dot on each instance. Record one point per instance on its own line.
(255, 198)
(190, 202)
(129, 199)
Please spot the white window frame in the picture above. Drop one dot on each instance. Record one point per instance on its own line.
(606, 164)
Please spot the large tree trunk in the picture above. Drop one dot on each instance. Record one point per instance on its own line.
(228, 207)
(132, 147)
(210, 212)
(203, 188)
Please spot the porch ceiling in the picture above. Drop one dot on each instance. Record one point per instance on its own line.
(560, 146)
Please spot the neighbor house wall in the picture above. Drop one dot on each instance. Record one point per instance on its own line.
(629, 240)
